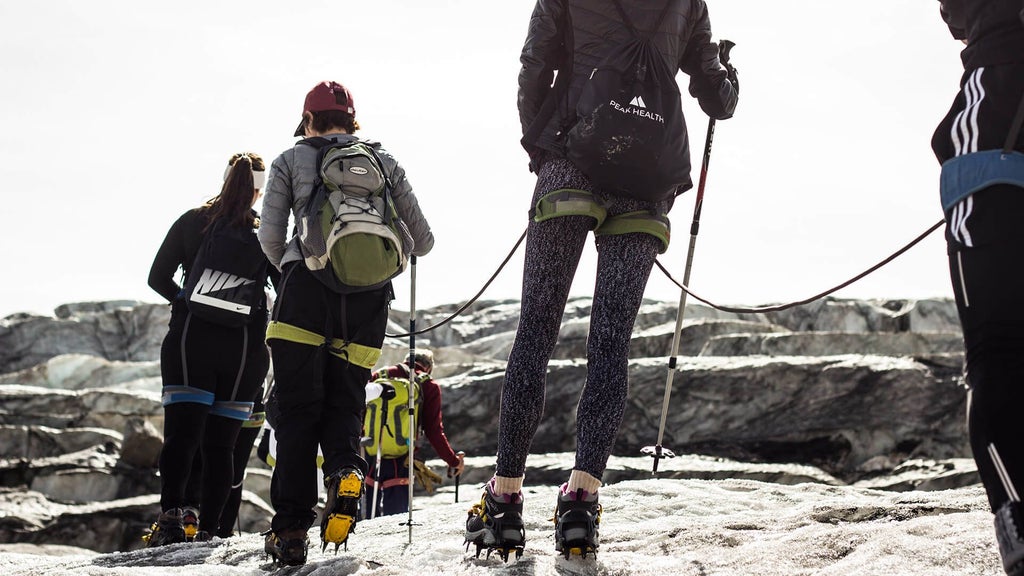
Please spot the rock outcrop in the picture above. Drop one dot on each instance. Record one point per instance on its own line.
(865, 393)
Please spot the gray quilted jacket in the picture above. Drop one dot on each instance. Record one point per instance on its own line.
(290, 184)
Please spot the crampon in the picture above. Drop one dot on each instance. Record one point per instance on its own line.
(577, 521)
(341, 512)
(495, 524)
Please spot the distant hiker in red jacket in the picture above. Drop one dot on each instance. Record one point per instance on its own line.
(393, 476)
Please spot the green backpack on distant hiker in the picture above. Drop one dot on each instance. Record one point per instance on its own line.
(350, 233)
(387, 418)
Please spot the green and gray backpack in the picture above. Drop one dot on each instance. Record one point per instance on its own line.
(351, 235)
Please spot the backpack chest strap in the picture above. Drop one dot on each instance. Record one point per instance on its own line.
(352, 352)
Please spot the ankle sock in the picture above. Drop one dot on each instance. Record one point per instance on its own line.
(580, 479)
(506, 485)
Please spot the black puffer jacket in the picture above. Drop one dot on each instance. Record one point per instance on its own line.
(683, 37)
(994, 30)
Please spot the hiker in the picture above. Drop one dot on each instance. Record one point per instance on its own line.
(323, 342)
(630, 235)
(211, 371)
(979, 144)
(393, 478)
(242, 454)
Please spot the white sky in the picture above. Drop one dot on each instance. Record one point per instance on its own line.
(649, 528)
(118, 116)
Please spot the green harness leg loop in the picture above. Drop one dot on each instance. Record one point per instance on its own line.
(568, 202)
(640, 221)
(351, 352)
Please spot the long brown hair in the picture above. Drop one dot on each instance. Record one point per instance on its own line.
(234, 203)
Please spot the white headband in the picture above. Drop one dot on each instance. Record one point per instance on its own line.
(259, 177)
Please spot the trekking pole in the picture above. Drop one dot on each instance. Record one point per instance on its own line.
(412, 377)
(658, 451)
(387, 392)
(459, 475)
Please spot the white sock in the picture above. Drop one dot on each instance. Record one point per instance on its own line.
(580, 479)
(506, 485)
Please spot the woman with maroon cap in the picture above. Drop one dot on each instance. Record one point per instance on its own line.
(319, 396)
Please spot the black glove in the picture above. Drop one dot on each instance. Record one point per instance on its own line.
(733, 79)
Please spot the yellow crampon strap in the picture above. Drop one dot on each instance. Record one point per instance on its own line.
(355, 354)
(640, 221)
(568, 202)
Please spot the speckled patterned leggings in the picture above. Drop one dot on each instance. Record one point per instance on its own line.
(553, 250)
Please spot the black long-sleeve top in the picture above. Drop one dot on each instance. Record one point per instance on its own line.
(179, 250)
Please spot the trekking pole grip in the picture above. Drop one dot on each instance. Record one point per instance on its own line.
(724, 47)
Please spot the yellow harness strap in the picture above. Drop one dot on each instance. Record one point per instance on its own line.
(568, 202)
(641, 221)
(351, 352)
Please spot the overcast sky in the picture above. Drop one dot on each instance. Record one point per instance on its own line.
(118, 116)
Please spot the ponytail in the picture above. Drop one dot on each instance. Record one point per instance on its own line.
(234, 203)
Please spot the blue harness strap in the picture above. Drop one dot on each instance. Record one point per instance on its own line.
(964, 175)
(176, 394)
(232, 410)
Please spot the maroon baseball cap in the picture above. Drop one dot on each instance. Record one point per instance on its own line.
(326, 95)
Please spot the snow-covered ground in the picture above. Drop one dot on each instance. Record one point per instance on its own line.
(655, 527)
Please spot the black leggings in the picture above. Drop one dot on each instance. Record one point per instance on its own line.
(553, 250)
(204, 369)
(189, 427)
(985, 247)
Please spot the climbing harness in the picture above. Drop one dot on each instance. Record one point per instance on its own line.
(352, 352)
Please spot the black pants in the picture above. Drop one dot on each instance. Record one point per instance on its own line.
(223, 366)
(988, 282)
(393, 491)
(985, 240)
(320, 397)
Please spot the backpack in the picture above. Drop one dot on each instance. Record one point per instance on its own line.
(227, 278)
(394, 436)
(350, 233)
(629, 135)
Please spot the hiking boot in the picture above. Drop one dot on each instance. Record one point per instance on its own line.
(166, 530)
(287, 547)
(1008, 522)
(496, 523)
(190, 522)
(577, 519)
(344, 491)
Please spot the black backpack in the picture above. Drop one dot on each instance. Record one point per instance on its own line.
(226, 281)
(629, 136)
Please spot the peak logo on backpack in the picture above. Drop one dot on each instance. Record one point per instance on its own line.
(637, 150)
(636, 107)
(227, 277)
(351, 236)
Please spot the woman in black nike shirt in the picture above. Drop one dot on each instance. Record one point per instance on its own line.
(212, 373)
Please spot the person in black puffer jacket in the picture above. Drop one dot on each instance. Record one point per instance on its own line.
(982, 192)
(682, 34)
